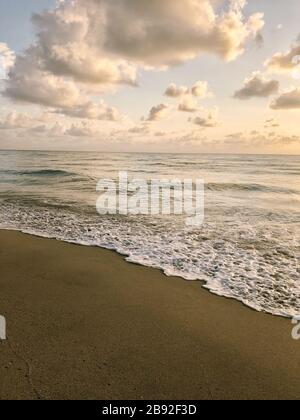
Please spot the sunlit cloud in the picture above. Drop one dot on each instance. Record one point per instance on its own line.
(207, 119)
(92, 111)
(287, 62)
(287, 100)
(104, 43)
(7, 59)
(158, 112)
(257, 86)
(188, 104)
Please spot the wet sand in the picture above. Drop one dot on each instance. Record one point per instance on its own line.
(83, 323)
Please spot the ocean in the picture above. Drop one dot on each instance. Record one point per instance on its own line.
(247, 249)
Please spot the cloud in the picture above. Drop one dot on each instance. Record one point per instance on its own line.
(92, 111)
(257, 86)
(142, 129)
(188, 104)
(54, 131)
(200, 90)
(15, 121)
(158, 112)
(271, 123)
(39, 129)
(188, 96)
(210, 120)
(260, 140)
(244, 142)
(288, 100)
(174, 91)
(82, 130)
(157, 33)
(7, 59)
(28, 83)
(38, 126)
(287, 62)
(100, 43)
(71, 41)
(160, 134)
(206, 122)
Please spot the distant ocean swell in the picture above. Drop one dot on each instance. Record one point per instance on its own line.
(221, 186)
(38, 173)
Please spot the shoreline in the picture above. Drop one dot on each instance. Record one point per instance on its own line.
(83, 323)
(125, 258)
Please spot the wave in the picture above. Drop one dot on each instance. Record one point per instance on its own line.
(47, 172)
(39, 172)
(257, 266)
(248, 187)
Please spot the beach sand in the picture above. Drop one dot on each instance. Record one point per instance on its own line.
(83, 323)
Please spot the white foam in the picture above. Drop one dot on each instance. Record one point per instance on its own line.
(255, 263)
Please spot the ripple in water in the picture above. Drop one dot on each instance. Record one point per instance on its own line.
(248, 248)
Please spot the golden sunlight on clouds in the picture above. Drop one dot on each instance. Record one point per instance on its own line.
(104, 43)
(7, 59)
(288, 62)
(257, 86)
(287, 100)
(87, 52)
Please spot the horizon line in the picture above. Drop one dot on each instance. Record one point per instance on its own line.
(147, 153)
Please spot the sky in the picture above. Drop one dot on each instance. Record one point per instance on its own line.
(190, 76)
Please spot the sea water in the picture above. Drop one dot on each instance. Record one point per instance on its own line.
(247, 249)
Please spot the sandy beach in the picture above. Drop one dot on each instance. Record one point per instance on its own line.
(84, 324)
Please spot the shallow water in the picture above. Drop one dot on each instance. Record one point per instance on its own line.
(247, 249)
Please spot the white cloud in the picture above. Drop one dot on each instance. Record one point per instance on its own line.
(102, 43)
(257, 86)
(188, 104)
(81, 130)
(188, 96)
(158, 112)
(157, 33)
(15, 121)
(160, 134)
(271, 123)
(199, 90)
(208, 119)
(174, 91)
(140, 129)
(287, 100)
(92, 111)
(53, 131)
(71, 41)
(28, 83)
(287, 62)
(7, 59)
(260, 140)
